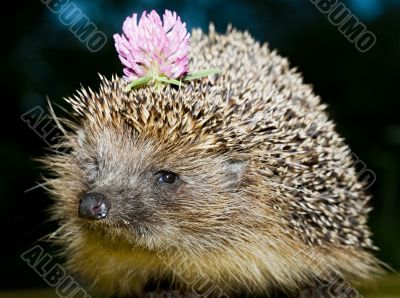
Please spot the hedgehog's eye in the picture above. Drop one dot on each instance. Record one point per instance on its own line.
(166, 177)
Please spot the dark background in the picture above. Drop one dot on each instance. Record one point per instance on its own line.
(41, 57)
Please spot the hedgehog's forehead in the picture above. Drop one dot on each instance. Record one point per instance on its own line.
(172, 109)
(198, 113)
(188, 113)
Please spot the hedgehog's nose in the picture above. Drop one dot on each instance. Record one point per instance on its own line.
(94, 205)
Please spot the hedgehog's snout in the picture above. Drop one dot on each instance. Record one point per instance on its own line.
(94, 205)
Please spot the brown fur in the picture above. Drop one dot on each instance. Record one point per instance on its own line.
(267, 196)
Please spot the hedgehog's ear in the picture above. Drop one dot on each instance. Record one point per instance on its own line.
(234, 170)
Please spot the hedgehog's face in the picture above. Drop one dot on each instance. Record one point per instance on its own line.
(152, 194)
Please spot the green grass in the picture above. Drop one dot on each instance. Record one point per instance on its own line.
(34, 293)
(388, 287)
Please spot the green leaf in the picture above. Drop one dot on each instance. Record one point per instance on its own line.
(201, 74)
(169, 81)
(138, 82)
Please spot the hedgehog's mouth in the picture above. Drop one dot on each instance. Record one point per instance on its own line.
(134, 234)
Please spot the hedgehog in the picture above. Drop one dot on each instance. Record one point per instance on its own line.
(233, 185)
